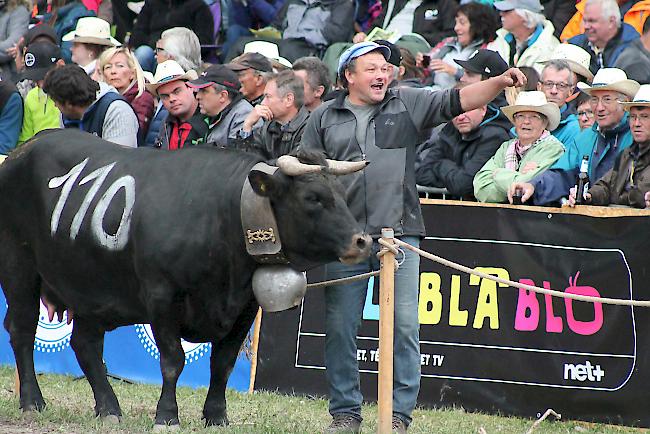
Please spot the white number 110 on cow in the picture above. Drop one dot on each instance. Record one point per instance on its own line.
(115, 241)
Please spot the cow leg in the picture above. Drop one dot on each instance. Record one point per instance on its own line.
(22, 295)
(172, 361)
(222, 360)
(87, 341)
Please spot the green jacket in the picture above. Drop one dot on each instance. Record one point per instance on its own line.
(491, 183)
(39, 113)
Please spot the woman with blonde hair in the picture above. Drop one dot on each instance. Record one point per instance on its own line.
(121, 69)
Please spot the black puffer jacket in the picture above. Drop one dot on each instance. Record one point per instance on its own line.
(453, 160)
(159, 15)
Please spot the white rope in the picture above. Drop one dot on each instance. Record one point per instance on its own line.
(448, 263)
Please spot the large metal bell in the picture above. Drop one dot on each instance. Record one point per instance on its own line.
(278, 287)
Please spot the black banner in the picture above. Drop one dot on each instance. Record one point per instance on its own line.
(489, 347)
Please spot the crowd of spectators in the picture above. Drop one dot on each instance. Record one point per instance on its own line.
(239, 49)
(258, 75)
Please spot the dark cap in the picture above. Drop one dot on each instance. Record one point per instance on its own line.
(39, 58)
(217, 74)
(254, 61)
(485, 62)
(40, 31)
(395, 55)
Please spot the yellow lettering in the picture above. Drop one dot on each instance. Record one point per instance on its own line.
(430, 304)
(487, 305)
(457, 317)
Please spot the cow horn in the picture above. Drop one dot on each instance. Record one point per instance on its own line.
(290, 165)
(336, 167)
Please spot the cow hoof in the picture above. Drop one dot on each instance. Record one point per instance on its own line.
(166, 428)
(111, 419)
(222, 421)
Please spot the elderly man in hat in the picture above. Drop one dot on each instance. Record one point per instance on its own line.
(520, 159)
(602, 143)
(253, 71)
(628, 182)
(184, 123)
(89, 39)
(373, 122)
(222, 104)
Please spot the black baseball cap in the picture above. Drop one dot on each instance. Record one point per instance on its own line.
(40, 31)
(217, 74)
(485, 62)
(39, 58)
(254, 61)
(395, 58)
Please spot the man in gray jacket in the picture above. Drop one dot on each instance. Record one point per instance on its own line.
(371, 122)
(222, 103)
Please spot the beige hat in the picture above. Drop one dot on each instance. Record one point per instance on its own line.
(268, 50)
(611, 79)
(577, 58)
(641, 99)
(92, 30)
(534, 101)
(167, 72)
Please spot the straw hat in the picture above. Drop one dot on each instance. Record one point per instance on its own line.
(611, 79)
(167, 72)
(577, 58)
(268, 50)
(641, 99)
(92, 30)
(534, 101)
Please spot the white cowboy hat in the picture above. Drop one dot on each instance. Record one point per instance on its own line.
(167, 72)
(577, 58)
(611, 79)
(92, 30)
(268, 50)
(641, 99)
(534, 101)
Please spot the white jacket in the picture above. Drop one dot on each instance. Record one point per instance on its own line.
(540, 51)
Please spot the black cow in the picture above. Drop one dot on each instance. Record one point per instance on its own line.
(122, 236)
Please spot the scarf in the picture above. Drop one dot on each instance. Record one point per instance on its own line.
(516, 151)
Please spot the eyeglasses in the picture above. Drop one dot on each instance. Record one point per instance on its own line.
(606, 100)
(587, 113)
(643, 117)
(521, 117)
(548, 85)
(159, 50)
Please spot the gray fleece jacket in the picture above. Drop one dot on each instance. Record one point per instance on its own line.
(384, 193)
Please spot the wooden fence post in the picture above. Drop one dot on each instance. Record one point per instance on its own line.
(386, 329)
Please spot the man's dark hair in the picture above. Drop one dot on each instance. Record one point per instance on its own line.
(70, 84)
(318, 73)
(288, 82)
(483, 21)
(351, 66)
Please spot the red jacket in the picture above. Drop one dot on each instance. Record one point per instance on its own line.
(143, 107)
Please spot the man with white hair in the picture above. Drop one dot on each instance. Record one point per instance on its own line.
(605, 36)
(558, 82)
(526, 38)
(182, 45)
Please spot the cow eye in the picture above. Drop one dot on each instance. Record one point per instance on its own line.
(312, 198)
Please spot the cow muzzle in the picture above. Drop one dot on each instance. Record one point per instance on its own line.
(358, 249)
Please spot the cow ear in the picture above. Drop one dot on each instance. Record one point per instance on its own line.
(262, 183)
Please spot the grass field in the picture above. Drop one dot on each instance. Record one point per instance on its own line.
(70, 410)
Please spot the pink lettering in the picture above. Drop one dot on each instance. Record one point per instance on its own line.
(553, 323)
(585, 328)
(527, 316)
